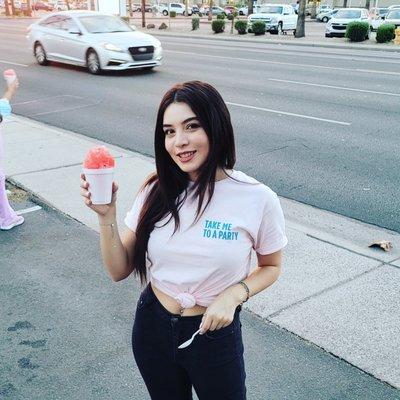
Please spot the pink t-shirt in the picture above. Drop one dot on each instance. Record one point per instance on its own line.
(197, 263)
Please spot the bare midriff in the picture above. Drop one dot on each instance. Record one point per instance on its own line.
(174, 307)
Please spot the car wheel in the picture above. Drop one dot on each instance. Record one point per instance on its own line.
(40, 54)
(165, 12)
(327, 35)
(241, 13)
(274, 32)
(93, 62)
(324, 19)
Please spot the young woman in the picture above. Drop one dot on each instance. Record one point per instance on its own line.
(8, 217)
(191, 231)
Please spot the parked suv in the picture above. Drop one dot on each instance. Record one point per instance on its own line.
(278, 18)
(338, 24)
(179, 8)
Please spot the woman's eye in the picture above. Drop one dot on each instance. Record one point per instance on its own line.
(168, 132)
(192, 126)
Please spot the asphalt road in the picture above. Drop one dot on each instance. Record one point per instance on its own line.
(320, 126)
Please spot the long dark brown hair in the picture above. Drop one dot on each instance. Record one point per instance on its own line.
(169, 181)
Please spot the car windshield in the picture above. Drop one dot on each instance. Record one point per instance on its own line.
(104, 24)
(348, 14)
(271, 10)
(395, 14)
(383, 11)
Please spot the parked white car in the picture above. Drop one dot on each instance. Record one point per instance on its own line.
(337, 25)
(179, 8)
(323, 8)
(393, 17)
(245, 10)
(278, 18)
(94, 40)
(326, 15)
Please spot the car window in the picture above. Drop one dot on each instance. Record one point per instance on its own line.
(68, 23)
(49, 21)
(271, 10)
(104, 24)
(348, 14)
(395, 14)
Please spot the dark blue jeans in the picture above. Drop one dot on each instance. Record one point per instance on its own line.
(213, 364)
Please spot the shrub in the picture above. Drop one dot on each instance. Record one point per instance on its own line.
(258, 27)
(195, 23)
(172, 14)
(218, 25)
(357, 31)
(221, 16)
(385, 33)
(241, 27)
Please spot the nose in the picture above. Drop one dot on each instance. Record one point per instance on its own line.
(181, 138)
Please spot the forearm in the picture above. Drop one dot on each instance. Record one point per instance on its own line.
(8, 94)
(260, 279)
(115, 256)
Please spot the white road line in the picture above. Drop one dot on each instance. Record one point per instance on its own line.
(13, 63)
(335, 87)
(28, 210)
(331, 121)
(46, 98)
(370, 71)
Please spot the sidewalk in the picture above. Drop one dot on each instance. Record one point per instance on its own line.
(180, 27)
(334, 292)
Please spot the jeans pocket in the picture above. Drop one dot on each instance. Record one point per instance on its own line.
(223, 332)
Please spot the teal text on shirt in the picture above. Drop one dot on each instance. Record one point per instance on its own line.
(219, 230)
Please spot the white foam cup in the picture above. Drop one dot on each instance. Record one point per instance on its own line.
(100, 184)
(10, 78)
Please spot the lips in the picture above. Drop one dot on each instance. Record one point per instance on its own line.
(185, 156)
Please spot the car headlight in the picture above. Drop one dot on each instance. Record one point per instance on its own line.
(112, 47)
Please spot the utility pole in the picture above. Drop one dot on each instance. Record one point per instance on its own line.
(301, 19)
(249, 7)
(143, 9)
(210, 11)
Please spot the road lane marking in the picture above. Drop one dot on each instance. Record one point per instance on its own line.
(370, 71)
(331, 121)
(28, 210)
(46, 98)
(336, 87)
(13, 63)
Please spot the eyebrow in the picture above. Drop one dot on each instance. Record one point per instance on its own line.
(183, 122)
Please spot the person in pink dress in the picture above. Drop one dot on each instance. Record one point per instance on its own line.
(8, 217)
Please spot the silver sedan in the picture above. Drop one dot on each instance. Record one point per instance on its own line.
(92, 39)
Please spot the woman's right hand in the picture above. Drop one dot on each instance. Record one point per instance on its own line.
(103, 210)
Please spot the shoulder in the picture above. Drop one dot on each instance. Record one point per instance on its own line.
(251, 187)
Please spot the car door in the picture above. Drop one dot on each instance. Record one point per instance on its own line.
(72, 44)
(50, 29)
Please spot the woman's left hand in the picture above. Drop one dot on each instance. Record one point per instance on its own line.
(221, 312)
